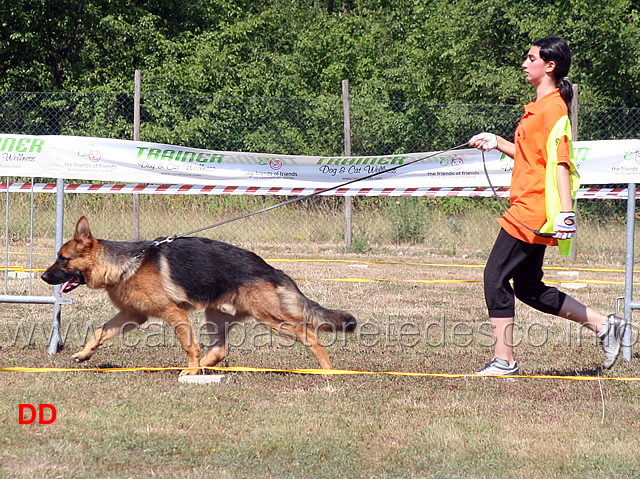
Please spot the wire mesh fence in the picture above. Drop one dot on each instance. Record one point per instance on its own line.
(407, 225)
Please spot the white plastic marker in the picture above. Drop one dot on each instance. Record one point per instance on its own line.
(203, 379)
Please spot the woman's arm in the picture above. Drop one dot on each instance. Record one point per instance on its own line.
(506, 147)
(564, 187)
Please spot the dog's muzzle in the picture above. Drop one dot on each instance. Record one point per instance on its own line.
(68, 280)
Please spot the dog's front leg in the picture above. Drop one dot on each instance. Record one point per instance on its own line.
(216, 326)
(177, 318)
(119, 324)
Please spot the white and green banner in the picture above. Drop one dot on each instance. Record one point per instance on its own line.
(101, 159)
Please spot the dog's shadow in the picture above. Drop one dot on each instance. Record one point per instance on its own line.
(118, 366)
(589, 372)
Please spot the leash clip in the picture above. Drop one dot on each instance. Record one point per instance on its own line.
(157, 243)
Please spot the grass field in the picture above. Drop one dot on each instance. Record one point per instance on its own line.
(417, 314)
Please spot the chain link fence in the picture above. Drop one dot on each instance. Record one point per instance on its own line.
(400, 225)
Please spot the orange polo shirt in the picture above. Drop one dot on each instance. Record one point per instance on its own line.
(528, 175)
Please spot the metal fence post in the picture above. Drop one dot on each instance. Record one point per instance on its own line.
(55, 342)
(573, 116)
(136, 137)
(629, 305)
(348, 201)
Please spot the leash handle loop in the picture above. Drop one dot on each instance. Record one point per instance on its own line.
(506, 210)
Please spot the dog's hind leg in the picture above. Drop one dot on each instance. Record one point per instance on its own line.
(217, 325)
(119, 324)
(310, 340)
(283, 310)
(177, 318)
(304, 334)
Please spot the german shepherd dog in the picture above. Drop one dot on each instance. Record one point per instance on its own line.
(167, 279)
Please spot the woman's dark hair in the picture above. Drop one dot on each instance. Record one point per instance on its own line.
(554, 49)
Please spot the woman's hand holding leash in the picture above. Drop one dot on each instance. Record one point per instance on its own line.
(484, 141)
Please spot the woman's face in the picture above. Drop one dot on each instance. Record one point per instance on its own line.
(535, 68)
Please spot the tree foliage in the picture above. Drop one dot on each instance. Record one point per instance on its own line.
(437, 51)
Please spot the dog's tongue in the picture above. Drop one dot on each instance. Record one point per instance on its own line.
(68, 285)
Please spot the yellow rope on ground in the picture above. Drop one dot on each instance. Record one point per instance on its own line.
(322, 372)
(451, 281)
(452, 265)
(402, 263)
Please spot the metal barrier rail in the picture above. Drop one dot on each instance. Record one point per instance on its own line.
(55, 342)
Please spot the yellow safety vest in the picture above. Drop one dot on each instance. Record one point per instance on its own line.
(551, 192)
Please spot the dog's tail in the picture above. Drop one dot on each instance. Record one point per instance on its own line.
(324, 319)
(312, 313)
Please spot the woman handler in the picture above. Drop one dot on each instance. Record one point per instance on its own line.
(543, 184)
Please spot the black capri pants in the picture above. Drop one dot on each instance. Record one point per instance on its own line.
(514, 259)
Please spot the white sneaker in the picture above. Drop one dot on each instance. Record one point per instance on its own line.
(611, 340)
(499, 367)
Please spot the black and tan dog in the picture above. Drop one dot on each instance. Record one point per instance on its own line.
(166, 279)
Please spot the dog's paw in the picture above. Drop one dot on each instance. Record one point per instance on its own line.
(80, 356)
(190, 372)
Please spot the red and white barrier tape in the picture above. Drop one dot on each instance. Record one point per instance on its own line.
(583, 193)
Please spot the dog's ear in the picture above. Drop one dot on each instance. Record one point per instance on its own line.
(83, 232)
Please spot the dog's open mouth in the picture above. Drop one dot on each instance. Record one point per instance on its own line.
(70, 285)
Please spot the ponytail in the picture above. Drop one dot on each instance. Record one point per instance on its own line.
(566, 90)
